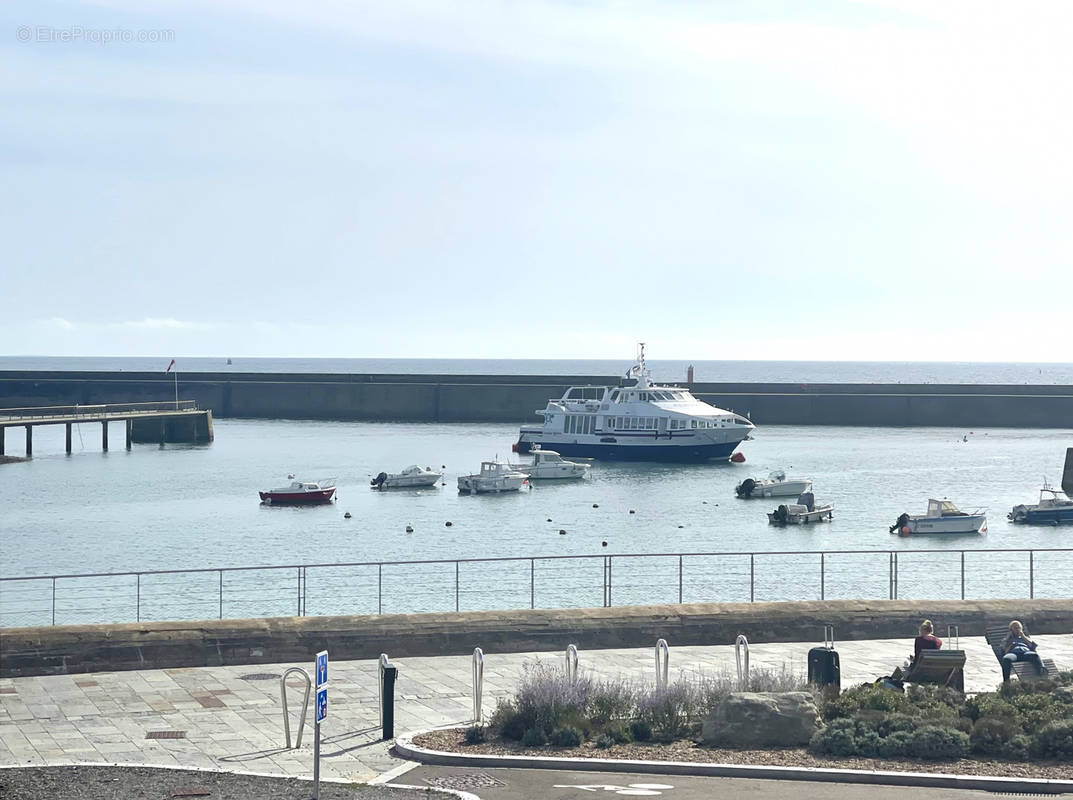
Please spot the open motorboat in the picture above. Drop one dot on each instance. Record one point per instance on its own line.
(1053, 508)
(301, 493)
(803, 512)
(942, 517)
(549, 465)
(494, 477)
(775, 485)
(641, 422)
(413, 477)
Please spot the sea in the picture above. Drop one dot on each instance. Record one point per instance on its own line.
(187, 507)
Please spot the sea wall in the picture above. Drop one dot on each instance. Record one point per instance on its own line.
(514, 399)
(160, 645)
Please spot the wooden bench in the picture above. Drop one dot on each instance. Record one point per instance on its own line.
(938, 667)
(1024, 670)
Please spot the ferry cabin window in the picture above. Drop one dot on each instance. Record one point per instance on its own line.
(614, 396)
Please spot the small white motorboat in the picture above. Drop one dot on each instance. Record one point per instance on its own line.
(413, 477)
(803, 512)
(942, 517)
(494, 477)
(549, 465)
(1053, 508)
(300, 493)
(775, 485)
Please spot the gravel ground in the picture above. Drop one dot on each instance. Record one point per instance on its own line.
(451, 741)
(147, 783)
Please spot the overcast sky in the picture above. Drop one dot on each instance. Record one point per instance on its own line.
(783, 180)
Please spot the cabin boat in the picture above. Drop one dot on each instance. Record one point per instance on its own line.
(494, 477)
(643, 421)
(803, 512)
(549, 465)
(942, 517)
(1053, 508)
(775, 485)
(300, 493)
(413, 477)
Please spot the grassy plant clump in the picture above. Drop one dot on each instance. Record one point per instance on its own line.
(1055, 740)
(566, 736)
(475, 734)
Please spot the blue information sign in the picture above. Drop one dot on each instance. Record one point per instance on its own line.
(322, 668)
(322, 705)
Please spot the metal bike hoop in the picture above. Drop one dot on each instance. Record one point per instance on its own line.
(663, 663)
(743, 671)
(305, 704)
(571, 663)
(478, 683)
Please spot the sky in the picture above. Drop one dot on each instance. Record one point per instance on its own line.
(537, 179)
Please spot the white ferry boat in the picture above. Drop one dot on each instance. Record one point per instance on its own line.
(642, 422)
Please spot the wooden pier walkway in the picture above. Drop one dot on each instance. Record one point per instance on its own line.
(169, 421)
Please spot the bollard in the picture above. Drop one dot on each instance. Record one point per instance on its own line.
(388, 674)
(743, 672)
(663, 663)
(478, 683)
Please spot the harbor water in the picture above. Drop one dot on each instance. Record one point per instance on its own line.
(185, 507)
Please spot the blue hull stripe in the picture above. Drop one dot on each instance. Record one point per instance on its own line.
(632, 452)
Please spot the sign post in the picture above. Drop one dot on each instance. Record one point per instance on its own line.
(321, 671)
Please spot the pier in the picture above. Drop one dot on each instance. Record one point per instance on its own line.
(163, 422)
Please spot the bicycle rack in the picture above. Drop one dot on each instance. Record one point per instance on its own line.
(305, 705)
(571, 663)
(743, 674)
(952, 636)
(663, 663)
(478, 683)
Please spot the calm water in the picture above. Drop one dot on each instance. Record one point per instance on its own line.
(665, 370)
(185, 507)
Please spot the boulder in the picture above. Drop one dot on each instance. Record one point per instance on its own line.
(762, 719)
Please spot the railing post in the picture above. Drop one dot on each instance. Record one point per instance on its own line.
(609, 581)
(822, 577)
(532, 583)
(138, 598)
(1031, 574)
(962, 574)
(53, 601)
(679, 580)
(752, 578)
(895, 576)
(456, 586)
(305, 591)
(299, 591)
(221, 594)
(890, 575)
(379, 588)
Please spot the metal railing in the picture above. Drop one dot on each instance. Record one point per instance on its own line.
(371, 587)
(76, 412)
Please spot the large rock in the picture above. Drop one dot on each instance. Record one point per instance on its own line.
(762, 719)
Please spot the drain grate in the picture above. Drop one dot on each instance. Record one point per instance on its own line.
(165, 735)
(260, 676)
(464, 782)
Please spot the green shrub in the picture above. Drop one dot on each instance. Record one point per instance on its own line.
(935, 697)
(867, 743)
(1055, 740)
(1037, 710)
(990, 705)
(938, 744)
(991, 735)
(1018, 748)
(866, 697)
(604, 741)
(668, 710)
(534, 737)
(508, 721)
(896, 723)
(641, 731)
(547, 699)
(474, 734)
(567, 736)
(611, 700)
(838, 739)
(619, 732)
(896, 745)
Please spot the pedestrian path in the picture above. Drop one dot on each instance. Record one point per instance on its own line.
(230, 718)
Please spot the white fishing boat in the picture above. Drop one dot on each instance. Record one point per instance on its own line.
(413, 477)
(775, 485)
(803, 512)
(494, 477)
(942, 517)
(1053, 508)
(644, 421)
(549, 465)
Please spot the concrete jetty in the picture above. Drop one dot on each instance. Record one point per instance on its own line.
(163, 422)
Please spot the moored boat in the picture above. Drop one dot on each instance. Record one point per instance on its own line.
(494, 477)
(413, 477)
(775, 485)
(301, 493)
(942, 517)
(644, 421)
(803, 512)
(549, 465)
(1053, 508)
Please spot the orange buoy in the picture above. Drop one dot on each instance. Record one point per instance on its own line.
(905, 531)
(738, 458)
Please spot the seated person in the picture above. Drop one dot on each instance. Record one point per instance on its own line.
(927, 640)
(1018, 647)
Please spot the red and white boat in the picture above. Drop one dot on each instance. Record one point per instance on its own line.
(301, 492)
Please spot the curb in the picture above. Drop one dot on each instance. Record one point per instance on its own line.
(405, 748)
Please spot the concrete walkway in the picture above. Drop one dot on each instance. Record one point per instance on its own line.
(231, 718)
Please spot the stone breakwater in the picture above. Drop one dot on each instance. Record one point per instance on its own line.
(514, 398)
(160, 645)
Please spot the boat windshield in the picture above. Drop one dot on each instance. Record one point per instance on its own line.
(943, 508)
(777, 475)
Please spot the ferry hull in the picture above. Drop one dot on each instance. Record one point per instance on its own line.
(668, 453)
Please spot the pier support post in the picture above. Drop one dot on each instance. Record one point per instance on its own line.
(163, 435)
(29, 440)
(104, 435)
(129, 426)
(2, 431)
(68, 426)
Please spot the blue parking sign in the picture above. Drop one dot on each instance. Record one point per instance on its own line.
(322, 705)
(322, 668)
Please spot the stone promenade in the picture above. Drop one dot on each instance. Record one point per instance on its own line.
(230, 718)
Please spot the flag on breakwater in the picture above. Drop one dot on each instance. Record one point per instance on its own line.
(172, 364)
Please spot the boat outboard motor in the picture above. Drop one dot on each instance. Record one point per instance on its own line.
(899, 523)
(808, 500)
(745, 488)
(378, 481)
(783, 513)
